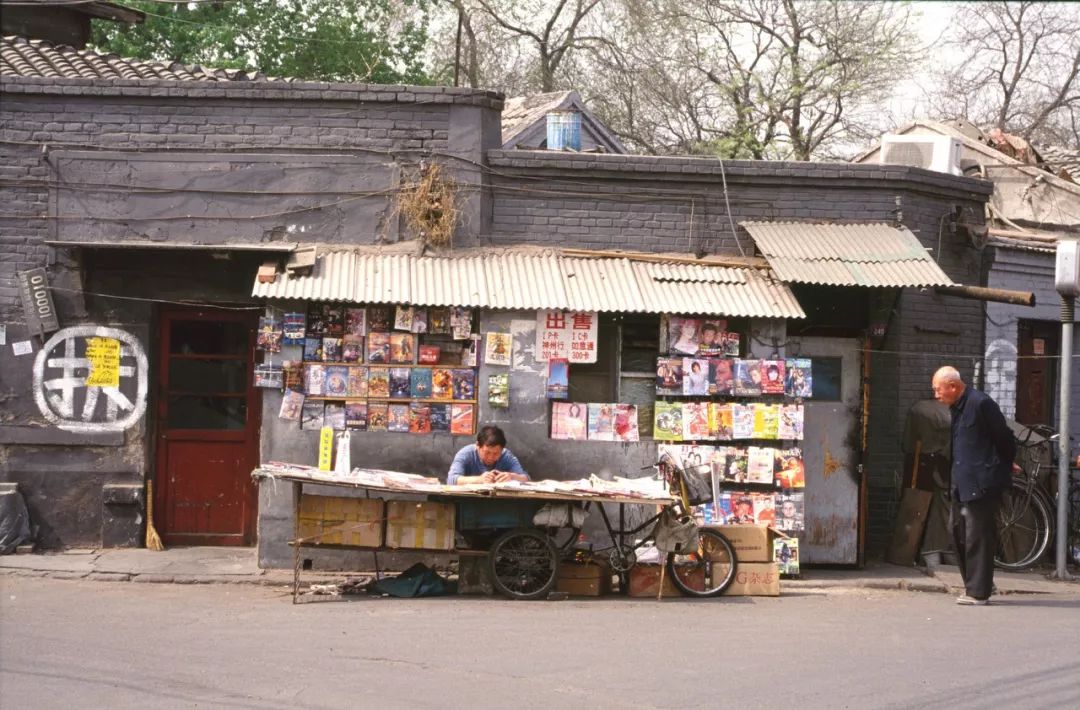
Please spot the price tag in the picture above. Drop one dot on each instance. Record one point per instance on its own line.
(326, 448)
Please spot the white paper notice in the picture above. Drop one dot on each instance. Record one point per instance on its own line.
(3, 335)
(24, 347)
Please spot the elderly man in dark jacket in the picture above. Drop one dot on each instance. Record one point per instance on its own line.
(983, 450)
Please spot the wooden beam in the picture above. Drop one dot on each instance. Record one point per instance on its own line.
(998, 295)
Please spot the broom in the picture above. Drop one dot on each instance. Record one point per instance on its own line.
(153, 540)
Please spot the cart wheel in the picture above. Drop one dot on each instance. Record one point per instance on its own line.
(622, 558)
(523, 564)
(706, 571)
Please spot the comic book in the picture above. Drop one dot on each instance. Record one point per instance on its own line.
(294, 329)
(669, 376)
(429, 354)
(403, 318)
(789, 511)
(721, 376)
(292, 403)
(378, 348)
(772, 377)
(439, 321)
(358, 382)
(789, 470)
(315, 380)
(419, 418)
(419, 321)
(331, 349)
(464, 383)
(558, 381)
(356, 322)
(312, 349)
(378, 319)
(766, 420)
(497, 348)
(440, 417)
(759, 466)
(764, 509)
(352, 348)
(356, 415)
(798, 378)
(402, 348)
(790, 425)
(695, 376)
(378, 416)
(399, 383)
(398, 418)
(668, 421)
(601, 422)
(462, 419)
(742, 421)
(747, 378)
(569, 420)
(626, 422)
(786, 555)
(269, 335)
(334, 415)
(720, 421)
(337, 381)
(695, 418)
(499, 390)
(378, 382)
(420, 382)
(311, 416)
(442, 383)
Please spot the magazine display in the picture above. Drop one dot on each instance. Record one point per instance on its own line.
(442, 383)
(499, 390)
(798, 379)
(497, 349)
(352, 348)
(772, 377)
(601, 422)
(378, 348)
(558, 380)
(269, 335)
(398, 418)
(789, 511)
(462, 419)
(626, 422)
(569, 420)
(402, 348)
(786, 554)
(337, 381)
(420, 382)
(334, 415)
(295, 328)
(292, 402)
(356, 415)
(399, 383)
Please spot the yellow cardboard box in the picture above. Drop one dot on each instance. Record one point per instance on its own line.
(332, 520)
(755, 579)
(419, 525)
(752, 543)
(583, 580)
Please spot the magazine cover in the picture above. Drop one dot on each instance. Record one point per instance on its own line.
(718, 464)
(378, 320)
(786, 554)
(722, 510)
(356, 322)
(269, 375)
(668, 421)
(378, 382)
(378, 416)
(731, 344)
(759, 466)
(462, 419)
(316, 320)
(747, 378)
(398, 418)
(403, 318)
(669, 376)
(464, 383)
(798, 380)
(695, 459)
(352, 348)
(737, 463)
(331, 349)
(399, 383)
(497, 349)
(742, 421)
(766, 420)
(334, 319)
(440, 417)
(791, 422)
(558, 380)
(419, 418)
(334, 415)
(695, 417)
(772, 377)
(292, 402)
(601, 422)
(311, 416)
(711, 338)
(670, 451)
(683, 335)
(295, 328)
(789, 470)
(358, 382)
(269, 335)
(720, 421)
(313, 349)
(626, 422)
(442, 383)
(419, 321)
(721, 376)
(356, 415)
(460, 322)
(470, 352)
(378, 348)
(337, 381)
(499, 390)
(569, 420)
(429, 354)
(292, 373)
(420, 382)
(439, 321)
(402, 348)
(742, 508)
(789, 511)
(315, 380)
(695, 376)
(764, 509)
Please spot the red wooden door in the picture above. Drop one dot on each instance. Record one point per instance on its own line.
(1036, 372)
(207, 428)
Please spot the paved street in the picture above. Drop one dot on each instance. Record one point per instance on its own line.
(117, 645)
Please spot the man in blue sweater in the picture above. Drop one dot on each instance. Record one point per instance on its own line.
(983, 450)
(486, 461)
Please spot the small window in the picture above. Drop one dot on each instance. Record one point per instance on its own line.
(826, 372)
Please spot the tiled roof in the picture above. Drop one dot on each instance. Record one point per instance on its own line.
(38, 58)
(1058, 158)
(520, 112)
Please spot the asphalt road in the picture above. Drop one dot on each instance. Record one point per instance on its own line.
(78, 644)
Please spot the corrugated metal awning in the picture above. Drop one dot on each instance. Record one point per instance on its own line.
(532, 279)
(877, 254)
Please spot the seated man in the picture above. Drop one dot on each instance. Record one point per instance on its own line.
(486, 461)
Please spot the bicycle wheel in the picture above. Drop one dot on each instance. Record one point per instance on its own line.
(1023, 526)
(707, 571)
(523, 564)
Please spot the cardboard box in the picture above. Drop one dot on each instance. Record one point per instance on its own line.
(332, 520)
(419, 525)
(645, 580)
(755, 579)
(583, 580)
(752, 543)
(473, 576)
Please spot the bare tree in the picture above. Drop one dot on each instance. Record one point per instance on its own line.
(1015, 66)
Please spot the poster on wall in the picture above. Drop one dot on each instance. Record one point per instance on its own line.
(497, 349)
(558, 381)
(566, 334)
(569, 420)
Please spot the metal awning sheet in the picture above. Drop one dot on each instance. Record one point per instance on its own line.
(872, 254)
(533, 280)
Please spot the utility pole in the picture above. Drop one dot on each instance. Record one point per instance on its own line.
(1067, 283)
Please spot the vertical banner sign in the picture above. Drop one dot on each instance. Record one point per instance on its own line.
(103, 357)
(569, 335)
(37, 302)
(326, 448)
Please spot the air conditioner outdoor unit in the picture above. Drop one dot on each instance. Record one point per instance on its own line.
(940, 153)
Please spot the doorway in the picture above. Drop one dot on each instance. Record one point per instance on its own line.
(1036, 371)
(208, 417)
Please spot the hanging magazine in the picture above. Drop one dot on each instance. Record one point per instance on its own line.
(789, 470)
(798, 379)
(419, 320)
(720, 421)
(759, 468)
(669, 376)
(378, 319)
(440, 417)
(499, 390)
(378, 416)
(358, 382)
(269, 335)
(269, 375)
(402, 348)
(737, 464)
(772, 377)
(312, 415)
(331, 349)
(497, 349)
(420, 382)
(668, 421)
(352, 348)
(462, 419)
(747, 378)
(399, 383)
(695, 376)
(312, 349)
(569, 420)
(764, 509)
(786, 554)
(464, 384)
(789, 511)
(626, 422)
(791, 422)
(601, 422)
(742, 421)
(378, 348)
(292, 403)
(766, 420)
(337, 381)
(558, 381)
(295, 326)
(419, 418)
(403, 318)
(721, 376)
(695, 418)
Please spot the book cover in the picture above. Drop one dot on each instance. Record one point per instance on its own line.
(378, 382)
(295, 329)
(737, 463)
(439, 321)
(268, 375)
(462, 419)
(311, 416)
(790, 425)
(402, 348)
(292, 403)
(711, 338)
(786, 555)
(789, 511)
(419, 321)
(695, 417)
(669, 376)
(766, 420)
(399, 383)
(742, 421)
(442, 383)
(378, 416)
(316, 321)
(626, 422)
(419, 418)
(356, 322)
(334, 318)
(429, 354)
(269, 335)
(764, 509)
(683, 335)
(772, 377)
(378, 348)
(352, 348)
(378, 319)
(403, 318)
(558, 379)
(315, 380)
(499, 390)
(356, 415)
(464, 383)
(747, 378)
(759, 465)
(667, 422)
(497, 349)
(569, 420)
(334, 416)
(742, 508)
(788, 468)
(440, 417)
(420, 382)
(331, 349)
(731, 344)
(721, 376)
(601, 422)
(313, 349)
(720, 421)
(798, 379)
(337, 381)
(292, 372)
(398, 418)
(695, 376)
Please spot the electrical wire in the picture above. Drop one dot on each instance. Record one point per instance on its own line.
(157, 300)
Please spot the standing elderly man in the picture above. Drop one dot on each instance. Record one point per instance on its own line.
(983, 450)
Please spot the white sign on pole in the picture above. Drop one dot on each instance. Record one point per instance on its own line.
(566, 334)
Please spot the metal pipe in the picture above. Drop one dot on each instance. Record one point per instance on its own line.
(1068, 314)
(979, 293)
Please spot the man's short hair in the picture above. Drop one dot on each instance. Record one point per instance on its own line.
(491, 435)
(709, 326)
